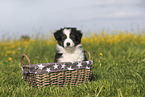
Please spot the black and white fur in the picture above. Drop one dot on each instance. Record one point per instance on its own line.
(69, 48)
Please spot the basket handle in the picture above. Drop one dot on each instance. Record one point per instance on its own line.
(22, 59)
(89, 54)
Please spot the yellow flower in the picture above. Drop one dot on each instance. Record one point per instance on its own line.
(10, 58)
(101, 54)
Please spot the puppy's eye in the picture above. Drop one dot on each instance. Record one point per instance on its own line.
(72, 36)
(63, 37)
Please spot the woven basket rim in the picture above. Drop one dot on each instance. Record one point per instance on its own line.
(33, 68)
(27, 65)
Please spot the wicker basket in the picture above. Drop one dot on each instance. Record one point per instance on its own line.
(61, 73)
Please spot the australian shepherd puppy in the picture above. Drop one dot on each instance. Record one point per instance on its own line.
(69, 48)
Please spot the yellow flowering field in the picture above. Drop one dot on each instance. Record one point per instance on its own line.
(17, 47)
(115, 38)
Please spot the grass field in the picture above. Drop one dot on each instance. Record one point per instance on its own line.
(118, 69)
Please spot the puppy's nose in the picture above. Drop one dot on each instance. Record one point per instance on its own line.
(68, 44)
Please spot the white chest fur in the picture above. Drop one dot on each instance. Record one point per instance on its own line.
(71, 55)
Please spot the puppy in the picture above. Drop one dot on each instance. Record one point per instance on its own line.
(69, 48)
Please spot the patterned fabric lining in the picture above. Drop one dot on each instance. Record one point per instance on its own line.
(57, 67)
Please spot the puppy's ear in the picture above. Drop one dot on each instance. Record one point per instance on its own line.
(79, 34)
(56, 34)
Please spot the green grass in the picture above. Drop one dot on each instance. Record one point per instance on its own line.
(120, 72)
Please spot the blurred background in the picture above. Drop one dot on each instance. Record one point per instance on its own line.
(28, 17)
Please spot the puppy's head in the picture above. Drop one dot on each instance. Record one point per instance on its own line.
(68, 37)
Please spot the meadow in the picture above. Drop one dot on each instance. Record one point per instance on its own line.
(118, 69)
